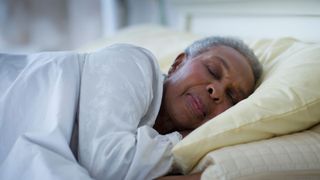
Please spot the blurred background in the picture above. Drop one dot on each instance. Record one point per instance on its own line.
(37, 25)
(41, 25)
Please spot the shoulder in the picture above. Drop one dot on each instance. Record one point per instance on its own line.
(128, 61)
(125, 64)
(126, 54)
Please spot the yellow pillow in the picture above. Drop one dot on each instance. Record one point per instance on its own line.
(287, 100)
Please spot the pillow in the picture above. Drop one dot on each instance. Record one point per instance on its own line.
(294, 156)
(286, 100)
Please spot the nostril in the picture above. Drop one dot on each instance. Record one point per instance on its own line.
(210, 90)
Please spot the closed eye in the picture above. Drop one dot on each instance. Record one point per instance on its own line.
(213, 73)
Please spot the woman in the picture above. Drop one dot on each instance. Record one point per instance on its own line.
(129, 114)
(211, 76)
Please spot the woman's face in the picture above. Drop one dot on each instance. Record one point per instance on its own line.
(199, 88)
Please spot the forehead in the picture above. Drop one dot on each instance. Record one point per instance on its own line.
(225, 51)
(228, 55)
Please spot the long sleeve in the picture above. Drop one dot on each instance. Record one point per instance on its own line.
(120, 98)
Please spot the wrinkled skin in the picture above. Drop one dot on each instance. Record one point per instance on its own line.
(199, 88)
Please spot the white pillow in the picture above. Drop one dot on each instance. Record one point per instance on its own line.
(287, 100)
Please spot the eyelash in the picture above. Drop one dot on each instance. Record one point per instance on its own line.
(213, 73)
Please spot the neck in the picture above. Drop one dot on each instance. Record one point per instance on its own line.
(163, 122)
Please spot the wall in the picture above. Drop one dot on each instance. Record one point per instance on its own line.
(42, 25)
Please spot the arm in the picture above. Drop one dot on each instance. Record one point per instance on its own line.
(118, 90)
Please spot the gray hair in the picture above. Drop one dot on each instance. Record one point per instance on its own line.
(203, 45)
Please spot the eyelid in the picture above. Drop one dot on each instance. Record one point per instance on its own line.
(213, 72)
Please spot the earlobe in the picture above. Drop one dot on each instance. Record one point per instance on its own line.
(177, 63)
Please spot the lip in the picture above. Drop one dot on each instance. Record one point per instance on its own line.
(196, 105)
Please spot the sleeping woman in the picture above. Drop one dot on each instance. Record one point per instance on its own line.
(112, 114)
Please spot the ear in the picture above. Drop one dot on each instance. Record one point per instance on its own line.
(177, 63)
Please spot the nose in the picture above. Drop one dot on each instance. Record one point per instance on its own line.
(215, 92)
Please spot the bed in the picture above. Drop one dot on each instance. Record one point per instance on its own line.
(279, 146)
(257, 139)
(285, 145)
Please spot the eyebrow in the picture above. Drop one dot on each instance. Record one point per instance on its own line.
(223, 62)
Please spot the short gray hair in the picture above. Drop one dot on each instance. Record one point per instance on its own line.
(203, 45)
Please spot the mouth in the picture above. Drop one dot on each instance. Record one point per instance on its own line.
(196, 106)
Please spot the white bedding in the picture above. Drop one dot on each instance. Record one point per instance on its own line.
(120, 90)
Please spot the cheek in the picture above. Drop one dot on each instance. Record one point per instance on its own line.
(220, 109)
(190, 75)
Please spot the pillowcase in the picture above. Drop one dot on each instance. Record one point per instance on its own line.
(286, 100)
(294, 156)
